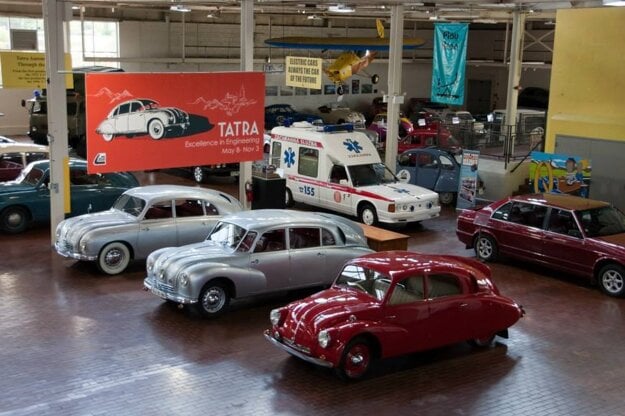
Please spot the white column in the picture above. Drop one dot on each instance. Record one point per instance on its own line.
(514, 72)
(394, 97)
(54, 12)
(247, 64)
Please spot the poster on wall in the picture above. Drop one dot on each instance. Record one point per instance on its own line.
(467, 185)
(28, 70)
(449, 62)
(560, 173)
(163, 120)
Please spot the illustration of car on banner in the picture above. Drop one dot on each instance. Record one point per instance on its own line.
(143, 116)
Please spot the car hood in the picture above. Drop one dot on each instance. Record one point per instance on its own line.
(617, 240)
(72, 229)
(325, 309)
(400, 192)
(172, 260)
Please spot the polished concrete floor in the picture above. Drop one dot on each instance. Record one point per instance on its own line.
(75, 342)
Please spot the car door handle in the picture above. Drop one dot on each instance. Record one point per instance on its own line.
(145, 229)
(464, 305)
(254, 261)
(320, 254)
(391, 317)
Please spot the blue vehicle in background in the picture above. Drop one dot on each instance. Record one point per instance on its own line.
(278, 114)
(26, 200)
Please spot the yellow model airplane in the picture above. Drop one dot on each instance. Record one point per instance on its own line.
(352, 60)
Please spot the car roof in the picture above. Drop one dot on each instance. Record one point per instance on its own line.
(399, 264)
(163, 192)
(271, 217)
(22, 147)
(563, 201)
(44, 164)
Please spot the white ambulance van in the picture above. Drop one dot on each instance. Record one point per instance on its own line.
(340, 169)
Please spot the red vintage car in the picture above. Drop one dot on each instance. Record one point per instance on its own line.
(575, 235)
(392, 303)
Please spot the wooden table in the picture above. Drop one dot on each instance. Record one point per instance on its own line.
(380, 239)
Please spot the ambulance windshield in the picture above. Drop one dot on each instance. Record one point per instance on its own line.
(371, 174)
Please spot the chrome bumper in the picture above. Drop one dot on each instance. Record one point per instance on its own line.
(148, 286)
(297, 353)
(72, 254)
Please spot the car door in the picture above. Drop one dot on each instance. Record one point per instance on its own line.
(407, 166)
(271, 257)
(121, 118)
(428, 169)
(518, 229)
(334, 196)
(449, 174)
(157, 228)
(447, 319)
(307, 257)
(406, 311)
(136, 118)
(85, 192)
(307, 188)
(563, 245)
(194, 219)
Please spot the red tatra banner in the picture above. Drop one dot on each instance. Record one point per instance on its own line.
(162, 120)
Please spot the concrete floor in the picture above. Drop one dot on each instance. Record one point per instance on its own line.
(74, 342)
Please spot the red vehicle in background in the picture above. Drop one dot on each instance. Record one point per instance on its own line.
(393, 303)
(429, 136)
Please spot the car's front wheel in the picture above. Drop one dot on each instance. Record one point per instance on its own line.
(612, 280)
(14, 220)
(367, 214)
(356, 359)
(156, 129)
(198, 174)
(214, 299)
(486, 248)
(446, 198)
(113, 258)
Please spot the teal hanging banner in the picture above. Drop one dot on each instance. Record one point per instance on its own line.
(449, 63)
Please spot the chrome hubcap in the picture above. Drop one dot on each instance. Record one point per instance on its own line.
(367, 217)
(113, 257)
(14, 219)
(214, 299)
(613, 281)
(357, 359)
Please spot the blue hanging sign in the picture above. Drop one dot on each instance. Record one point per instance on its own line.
(449, 62)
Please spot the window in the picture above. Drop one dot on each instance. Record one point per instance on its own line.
(276, 153)
(337, 174)
(308, 162)
(271, 241)
(367, 280)
(502, 212)
(527, 214)
(159, 210)
(426, 160)
(562, 222)
(446, 162)
(189, 208)
(443, 285)
(80, 177)
(304, 237)
(327, 239)
(409, 290)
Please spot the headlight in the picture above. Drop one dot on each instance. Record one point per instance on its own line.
(82, 245)
(275, 316)
(150, 265)
(184, 280)
(324, 338)
(161, 274)
(58, 233)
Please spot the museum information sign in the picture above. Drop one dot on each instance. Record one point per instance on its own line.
(164, 120)
(303, 72)
(28, 70)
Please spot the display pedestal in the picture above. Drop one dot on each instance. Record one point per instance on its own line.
(268, 193)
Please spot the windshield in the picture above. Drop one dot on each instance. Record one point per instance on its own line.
(602, 221)
(369, 281)
(371, 174)
(227, 235)
(129, 204)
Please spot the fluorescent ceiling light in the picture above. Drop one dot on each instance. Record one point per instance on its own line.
(341, 8)
(614, 2)
(179, 8)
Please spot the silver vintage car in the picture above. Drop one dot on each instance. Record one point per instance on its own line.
(142, 220)
(255, 252)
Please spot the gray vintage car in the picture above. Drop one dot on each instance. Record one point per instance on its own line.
(255, 252)
(142, 220)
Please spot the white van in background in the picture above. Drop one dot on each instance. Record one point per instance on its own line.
(337, 168)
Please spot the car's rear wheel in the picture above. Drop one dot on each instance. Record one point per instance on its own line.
(482, 342)
(198, 174)
(156, 129)
(367, 214)
(612, 280)
(356, 359)
(214, 299)
(14, 220)
(446, 198)
(113, 258)
(486, 248)
(108, 136)
(288, 198)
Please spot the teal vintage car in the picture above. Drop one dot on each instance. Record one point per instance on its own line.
(26, 200)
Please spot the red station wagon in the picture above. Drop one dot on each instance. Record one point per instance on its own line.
(572, 234)
(392, 303)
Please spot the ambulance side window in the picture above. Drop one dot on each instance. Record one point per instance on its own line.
(308, 161)
(276, 153)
